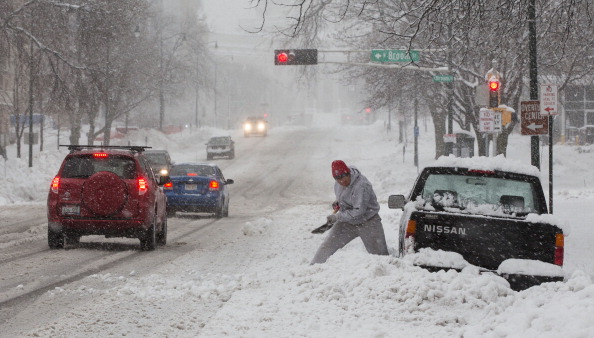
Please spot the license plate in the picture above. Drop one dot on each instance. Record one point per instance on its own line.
(191, 187)
(70, 210)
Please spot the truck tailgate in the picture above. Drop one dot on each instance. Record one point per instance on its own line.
(485, 241)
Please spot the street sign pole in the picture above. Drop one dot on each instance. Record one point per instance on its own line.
(550, 162)
(548, 107)
(416, 131)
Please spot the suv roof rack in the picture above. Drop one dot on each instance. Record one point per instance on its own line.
(78, 147)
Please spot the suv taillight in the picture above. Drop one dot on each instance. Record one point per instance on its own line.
(213, 186)
(142, 186)
(55, 184)
(559, 249)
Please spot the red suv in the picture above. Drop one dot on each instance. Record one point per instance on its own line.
(110, 191)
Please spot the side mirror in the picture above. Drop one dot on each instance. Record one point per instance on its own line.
(164, 180)
(229, 181)
(396, 201)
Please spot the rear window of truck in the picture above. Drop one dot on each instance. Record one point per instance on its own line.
(461, 191)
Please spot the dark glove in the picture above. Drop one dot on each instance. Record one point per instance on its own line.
(332, 218)
(335, 206)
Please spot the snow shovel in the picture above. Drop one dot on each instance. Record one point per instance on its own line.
(321, 229)
(324, 227)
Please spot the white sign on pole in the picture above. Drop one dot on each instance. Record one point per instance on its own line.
(486, 123)
(497, 122)
(548, 100)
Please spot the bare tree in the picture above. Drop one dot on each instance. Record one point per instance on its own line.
(470, 35)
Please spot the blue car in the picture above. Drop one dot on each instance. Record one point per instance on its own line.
(197, 187)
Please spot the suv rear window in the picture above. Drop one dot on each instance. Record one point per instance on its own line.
(200, 170)
(85, 166)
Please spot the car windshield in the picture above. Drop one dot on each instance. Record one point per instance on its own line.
(192, 170)
(85, 166)
(460, 191)
(156, 158)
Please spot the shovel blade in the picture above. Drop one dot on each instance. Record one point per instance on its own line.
(322, 229)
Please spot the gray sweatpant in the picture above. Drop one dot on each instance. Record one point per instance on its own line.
(341, 234)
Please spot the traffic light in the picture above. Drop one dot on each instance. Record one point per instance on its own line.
(494, 93)
(295, 57)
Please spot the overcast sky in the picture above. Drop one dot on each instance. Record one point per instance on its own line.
(229, 16)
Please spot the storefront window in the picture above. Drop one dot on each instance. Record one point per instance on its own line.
(575, 118)
(574, 93)
(590, 93)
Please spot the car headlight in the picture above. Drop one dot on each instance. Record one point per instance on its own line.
(261, 126)
(247, 127)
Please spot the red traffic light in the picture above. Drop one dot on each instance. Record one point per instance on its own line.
(494, 85)
(282, 57)
(287, 57)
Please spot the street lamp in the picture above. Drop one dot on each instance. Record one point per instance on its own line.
(215, 88)
(227, 86)
(136, 35)
(181, 37)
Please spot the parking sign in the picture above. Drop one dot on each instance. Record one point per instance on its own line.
(548, 100)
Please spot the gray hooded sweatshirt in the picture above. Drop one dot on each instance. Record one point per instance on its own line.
(357, 202)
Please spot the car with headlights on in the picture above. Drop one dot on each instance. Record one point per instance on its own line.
(197, 188)
(220, 146)
(109, 191)
(255, 126)
(160, 161)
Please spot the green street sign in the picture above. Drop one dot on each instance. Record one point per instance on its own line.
(394, 55)
(443, 78)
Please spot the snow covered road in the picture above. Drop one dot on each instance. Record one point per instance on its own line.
(248, 275)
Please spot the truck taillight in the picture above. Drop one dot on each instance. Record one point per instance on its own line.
(213, 186)
(142, 187)
(55, 184)
(559, 249)
(411, 229)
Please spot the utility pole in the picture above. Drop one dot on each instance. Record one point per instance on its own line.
(534, 142)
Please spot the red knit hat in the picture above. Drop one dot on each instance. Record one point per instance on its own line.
(339, 168)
